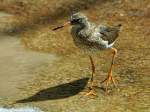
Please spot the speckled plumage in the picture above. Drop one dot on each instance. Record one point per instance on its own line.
(90, 37)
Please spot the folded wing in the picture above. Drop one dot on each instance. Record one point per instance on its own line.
(109, 33)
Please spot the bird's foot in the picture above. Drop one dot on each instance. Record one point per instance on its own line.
(107, 81)
(92, 92)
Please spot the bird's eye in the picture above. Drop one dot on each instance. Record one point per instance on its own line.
(77, 20)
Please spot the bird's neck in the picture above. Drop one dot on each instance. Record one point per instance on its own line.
(84, 25)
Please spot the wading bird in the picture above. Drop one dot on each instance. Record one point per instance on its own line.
(92, 38)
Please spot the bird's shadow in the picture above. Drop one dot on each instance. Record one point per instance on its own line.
(58, 92)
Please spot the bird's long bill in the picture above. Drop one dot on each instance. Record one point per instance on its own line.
(65, 24)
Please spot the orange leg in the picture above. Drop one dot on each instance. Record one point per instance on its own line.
(109, 77)
(92, 92)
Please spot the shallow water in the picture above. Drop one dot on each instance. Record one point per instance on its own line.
(22, 109)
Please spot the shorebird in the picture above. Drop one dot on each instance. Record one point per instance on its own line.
(92, 38)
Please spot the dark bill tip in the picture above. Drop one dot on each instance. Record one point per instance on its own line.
(65, 24)
(57, 28)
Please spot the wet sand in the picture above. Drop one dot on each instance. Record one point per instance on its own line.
(17, 63)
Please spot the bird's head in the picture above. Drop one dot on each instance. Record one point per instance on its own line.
(75, 19)
(78, 19)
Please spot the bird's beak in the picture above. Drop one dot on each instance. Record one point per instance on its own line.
(65, 24)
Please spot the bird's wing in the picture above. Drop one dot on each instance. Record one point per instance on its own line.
(108, 33)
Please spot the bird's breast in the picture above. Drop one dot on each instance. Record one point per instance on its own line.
(79, 36)
(86, 39)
